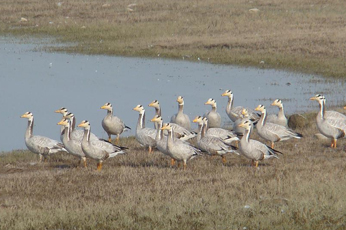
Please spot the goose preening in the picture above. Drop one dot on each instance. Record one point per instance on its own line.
(43, 146)
(74, 147)
(331, 124)
(280, 118)
(179, 150)
(111, 124)
(213, 116)
(235, 113)
(145, 136)
(213, 145)
(273, 132)
(253, 149)
(99, 150)
(180, 118)
(224, 134)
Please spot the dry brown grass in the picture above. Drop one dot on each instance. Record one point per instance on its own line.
(300, 35)
(304, 189)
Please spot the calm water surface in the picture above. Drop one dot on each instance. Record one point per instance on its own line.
(41, 82)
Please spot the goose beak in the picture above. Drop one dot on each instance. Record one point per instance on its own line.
(61, 122)
(195, 120)
(258, 108)
(81, 124)
(313, 98)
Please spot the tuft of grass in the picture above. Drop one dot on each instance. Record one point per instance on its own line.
(304, 189)
(296, 35)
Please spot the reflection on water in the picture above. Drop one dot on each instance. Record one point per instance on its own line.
(42, 82)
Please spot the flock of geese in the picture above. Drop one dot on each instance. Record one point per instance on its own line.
(172, 138)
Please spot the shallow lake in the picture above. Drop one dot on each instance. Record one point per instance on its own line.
(42, 82)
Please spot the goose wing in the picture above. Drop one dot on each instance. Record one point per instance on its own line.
(45, 145)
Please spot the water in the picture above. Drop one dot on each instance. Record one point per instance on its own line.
(41, 82)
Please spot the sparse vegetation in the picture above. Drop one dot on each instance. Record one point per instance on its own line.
(306, 36)
(304, 189)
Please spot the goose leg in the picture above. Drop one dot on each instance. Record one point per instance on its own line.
(333, 145)
(150, 149)
(99, 166)
(272, 144)
(84, 162)
(256, 164)
(172, 162)
(41, 157)
(117, 140)
(224, 159)
(109, 138)
(184, 165)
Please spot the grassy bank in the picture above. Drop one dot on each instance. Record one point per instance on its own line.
(304, 189)
(306, 36)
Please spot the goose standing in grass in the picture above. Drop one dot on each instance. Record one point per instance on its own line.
(214, 117)
(74, 147)
(235, 113)
(180, 118)
(113, 125)
(224, 134)
(43, 146)
(280, 118)
(253, 149)
(98, 150)
(182, 134)
(157, 108)
(331, 124)
(273, 132)
(213, 145)
(145, 136)
(179, 150)
(63, 111)
(161, 139)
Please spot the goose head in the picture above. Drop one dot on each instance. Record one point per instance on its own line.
(155, 104)
(245, 112)
(107, 106)
(64, 122)
(157, 119)
(62, 110)
(84, 124)
(277, 103)
(198, 119)
(211, 102)
(228, 93)
(260, 108)
(28, 115)
(318, 97)
(180, 100)
(246, 125)
(139, 108)
(167, 126)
